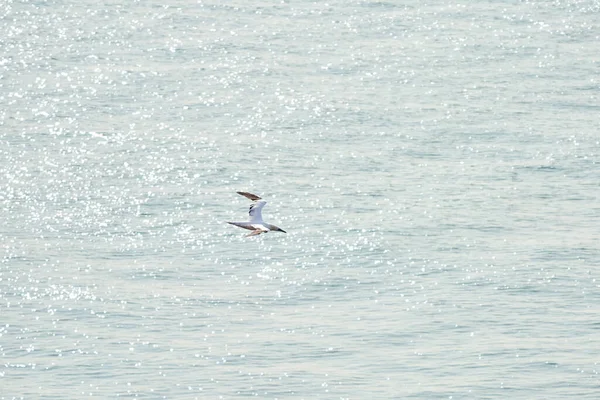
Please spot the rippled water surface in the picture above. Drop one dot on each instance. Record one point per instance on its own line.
(435, 166)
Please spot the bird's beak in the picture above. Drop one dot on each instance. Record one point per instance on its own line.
(282, 230)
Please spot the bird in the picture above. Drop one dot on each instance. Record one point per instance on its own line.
(256, 223)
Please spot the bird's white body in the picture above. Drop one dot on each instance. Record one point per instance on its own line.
(256, 223)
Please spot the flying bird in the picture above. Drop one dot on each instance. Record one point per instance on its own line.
(256, 223)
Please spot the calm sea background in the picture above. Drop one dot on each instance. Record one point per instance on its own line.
(435, 164)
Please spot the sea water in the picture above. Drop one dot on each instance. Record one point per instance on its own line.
(435, 166)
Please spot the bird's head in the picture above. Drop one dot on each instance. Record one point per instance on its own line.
(276, 229)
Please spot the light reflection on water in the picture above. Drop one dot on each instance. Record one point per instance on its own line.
(435, 168)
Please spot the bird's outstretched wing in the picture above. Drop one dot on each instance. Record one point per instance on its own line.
(256, 211)
(250, 196)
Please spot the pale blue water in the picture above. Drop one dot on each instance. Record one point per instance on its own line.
(435, 166)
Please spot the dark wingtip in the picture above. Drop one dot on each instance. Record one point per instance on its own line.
(250, 196)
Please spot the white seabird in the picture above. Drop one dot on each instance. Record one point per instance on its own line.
(256, 223)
